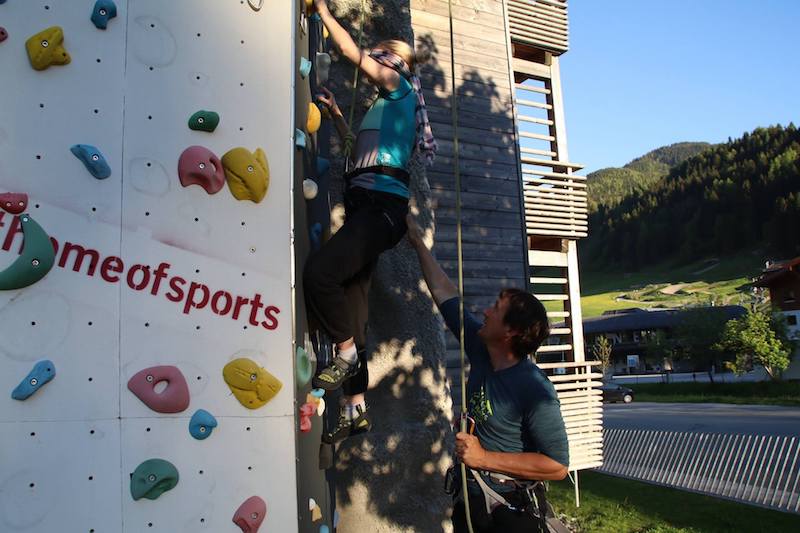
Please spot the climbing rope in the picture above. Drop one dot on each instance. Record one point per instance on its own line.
(457, 174)
(350, 139)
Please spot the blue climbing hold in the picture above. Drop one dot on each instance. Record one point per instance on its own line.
(324, 529)
(323, 165)
(305, 67)
(104, 10)
(42, 372)
(315, 17)
(315, 234)
(317, 393)
(92, 159)
(300, 139)
(202, 424)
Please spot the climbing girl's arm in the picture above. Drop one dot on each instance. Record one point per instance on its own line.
(380, 75)
(328, 100)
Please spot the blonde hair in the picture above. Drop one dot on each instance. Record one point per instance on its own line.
(402, 49)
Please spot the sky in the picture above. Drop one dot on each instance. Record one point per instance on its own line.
(641, 74)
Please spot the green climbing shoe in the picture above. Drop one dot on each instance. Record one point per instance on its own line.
(332, 377)
(347, 428)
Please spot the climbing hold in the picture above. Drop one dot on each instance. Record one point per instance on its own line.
(250, 514)
(3, 34)
(310, 189)
(316, 512)
(300, 139)
(305, 424)
(315, 17)
(173, 399)
(14, 203)
(204, 121)
(47, 48)
(153, 478)
(323, 165)
(305, 67)
(315, 235)
(199, 166)
(314, 118)
(104, 10)
(324, 529)
(202, 424)
(247, 173)
(310, 7)
(256, 4)
(252, 385)
(42, 372)
(321, 407)
(323, 69)
(318, 393)
(335, 519)
(305, 368)
(92, 159)
(34, 262)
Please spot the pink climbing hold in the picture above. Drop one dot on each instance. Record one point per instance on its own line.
(199, 166)
(14, 202)
(173, 399)
(307, 410)
(250, 514)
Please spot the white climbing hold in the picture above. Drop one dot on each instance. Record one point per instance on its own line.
(310, 189)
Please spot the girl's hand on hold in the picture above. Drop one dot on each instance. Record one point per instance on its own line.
(329, 101)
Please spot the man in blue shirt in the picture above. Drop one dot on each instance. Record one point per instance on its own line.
(519, 431)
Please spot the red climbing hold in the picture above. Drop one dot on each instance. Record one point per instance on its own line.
(173, 399)
(14, 202)
(250, 514)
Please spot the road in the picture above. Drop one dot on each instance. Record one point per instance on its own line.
(704, 418)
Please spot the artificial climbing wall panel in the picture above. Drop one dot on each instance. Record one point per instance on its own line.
(147, 272)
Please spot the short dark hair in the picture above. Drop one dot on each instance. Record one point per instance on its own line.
(527, 316)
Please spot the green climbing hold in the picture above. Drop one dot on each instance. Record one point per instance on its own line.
(305, 368)
(204, 121)
(153, 478)
(35, 261)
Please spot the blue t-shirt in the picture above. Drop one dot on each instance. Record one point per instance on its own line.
(515, 409)
(386, 138)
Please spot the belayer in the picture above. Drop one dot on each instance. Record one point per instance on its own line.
(337, 277)
(515, 438)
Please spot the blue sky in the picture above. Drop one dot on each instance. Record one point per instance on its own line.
(645, 73)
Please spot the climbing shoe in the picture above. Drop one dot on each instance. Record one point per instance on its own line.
(332, 377)
(346, 427)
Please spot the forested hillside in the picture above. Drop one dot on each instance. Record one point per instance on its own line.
(739, 195)
(609, 186)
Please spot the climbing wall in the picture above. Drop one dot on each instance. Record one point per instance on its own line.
(148, 272)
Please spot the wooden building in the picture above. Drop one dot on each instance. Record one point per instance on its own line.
(523, 205)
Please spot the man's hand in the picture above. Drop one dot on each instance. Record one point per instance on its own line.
(470, 451)
(415, 235)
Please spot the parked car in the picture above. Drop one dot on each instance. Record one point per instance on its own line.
(616, 393)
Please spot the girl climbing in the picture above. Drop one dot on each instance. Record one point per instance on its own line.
(337, 277)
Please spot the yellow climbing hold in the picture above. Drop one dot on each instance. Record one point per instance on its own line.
(47, 48)
(247, 173)
(252, 385)
(314, 118)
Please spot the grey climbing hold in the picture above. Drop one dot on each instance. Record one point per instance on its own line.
(310, 189)
(42, 373)
(202, 424)
(92, 159)
(153, 478)
(104, 10)
(323, 69)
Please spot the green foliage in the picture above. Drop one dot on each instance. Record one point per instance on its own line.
(735, 196)
(754, 341)
(698, 335)
(658, 347)
(750, 393)
(601, 350)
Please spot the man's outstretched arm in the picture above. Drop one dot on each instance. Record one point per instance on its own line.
(441, 287)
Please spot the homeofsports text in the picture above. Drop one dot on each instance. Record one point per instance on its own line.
(139, 277)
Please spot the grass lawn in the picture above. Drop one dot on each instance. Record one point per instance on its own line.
(724, 281)
(614, 505)
(759, 393)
